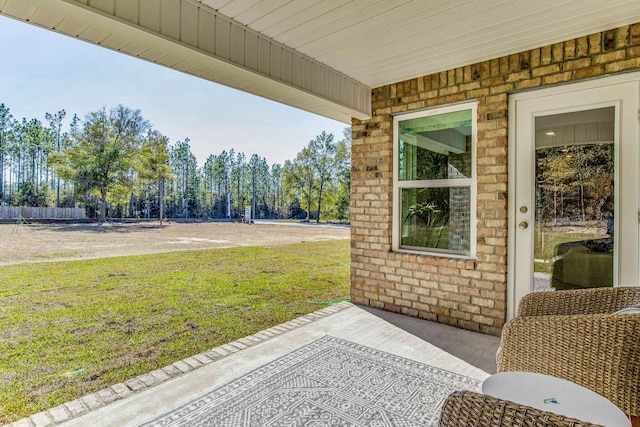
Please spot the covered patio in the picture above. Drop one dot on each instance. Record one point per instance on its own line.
(381, 66)
(446, 350)
(373, 64)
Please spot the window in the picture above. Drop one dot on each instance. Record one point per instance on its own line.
(434, 181)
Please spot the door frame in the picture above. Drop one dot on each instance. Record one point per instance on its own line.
(512, 294)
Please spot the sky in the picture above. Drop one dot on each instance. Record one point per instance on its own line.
(44, 72)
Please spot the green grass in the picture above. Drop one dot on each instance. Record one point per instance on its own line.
(74, 327)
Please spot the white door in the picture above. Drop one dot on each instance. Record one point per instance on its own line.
(573, 205)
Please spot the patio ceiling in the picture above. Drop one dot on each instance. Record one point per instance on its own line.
(323, 56)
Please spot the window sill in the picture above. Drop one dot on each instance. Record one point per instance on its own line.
(434, 254)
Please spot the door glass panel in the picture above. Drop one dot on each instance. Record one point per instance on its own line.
(574, 210)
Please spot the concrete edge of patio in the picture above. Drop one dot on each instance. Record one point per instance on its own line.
(104, 397)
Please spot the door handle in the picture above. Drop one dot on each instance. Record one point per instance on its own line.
(523, 225)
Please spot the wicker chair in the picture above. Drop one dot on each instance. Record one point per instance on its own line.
(574, 335)
(467, 408)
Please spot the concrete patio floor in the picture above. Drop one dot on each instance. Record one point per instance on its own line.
(147, 397)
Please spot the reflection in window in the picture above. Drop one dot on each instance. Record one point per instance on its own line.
(435, 147)
(434, 155)
(574, 194)
(437, 218)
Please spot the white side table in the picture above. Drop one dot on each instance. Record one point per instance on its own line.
(555, 395)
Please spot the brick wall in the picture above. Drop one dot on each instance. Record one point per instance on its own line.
(466, 293)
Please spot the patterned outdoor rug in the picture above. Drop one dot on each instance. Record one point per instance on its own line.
(330, 382)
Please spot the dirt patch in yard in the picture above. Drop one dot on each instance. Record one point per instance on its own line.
(55, 242)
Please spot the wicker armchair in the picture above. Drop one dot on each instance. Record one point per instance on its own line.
(467, 408)
(574, 335)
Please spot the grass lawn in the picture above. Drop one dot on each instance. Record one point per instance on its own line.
(71, 328)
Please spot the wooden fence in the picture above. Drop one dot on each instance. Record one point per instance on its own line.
(26, 212)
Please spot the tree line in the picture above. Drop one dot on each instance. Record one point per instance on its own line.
(574, 182)
(116, 165)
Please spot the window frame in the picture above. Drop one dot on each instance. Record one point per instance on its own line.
(398, 186)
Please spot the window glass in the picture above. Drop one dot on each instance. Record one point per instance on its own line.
(435, 147)
(438, 218)
(434, 187)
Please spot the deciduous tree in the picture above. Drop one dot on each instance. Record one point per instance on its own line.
(101, 156)
(300, 177)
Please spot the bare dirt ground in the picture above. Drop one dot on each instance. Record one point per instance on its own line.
(55, 242)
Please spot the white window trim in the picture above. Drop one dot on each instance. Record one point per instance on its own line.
(471, 182)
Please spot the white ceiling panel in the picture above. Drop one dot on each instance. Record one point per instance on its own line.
(291, 10)
(316, 47)
(344, 23)
(50, 20)
(294, 17)
(260, 9)
(382, 41)
(235, 8)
